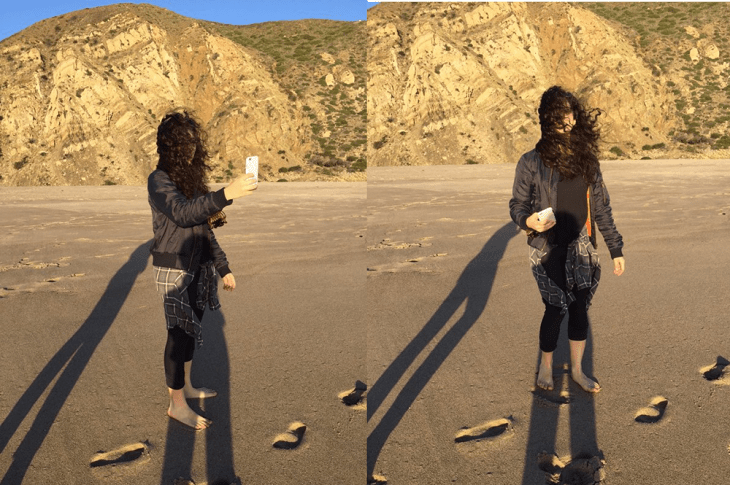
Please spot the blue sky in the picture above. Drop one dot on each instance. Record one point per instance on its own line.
(20, 14)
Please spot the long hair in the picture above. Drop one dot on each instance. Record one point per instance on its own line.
(573, 153)
(180, 136)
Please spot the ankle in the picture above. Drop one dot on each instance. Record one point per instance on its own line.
(576, 371)
(546, 359)
(177, 398)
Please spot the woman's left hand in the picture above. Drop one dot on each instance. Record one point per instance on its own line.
(229, 282)
(619, 265)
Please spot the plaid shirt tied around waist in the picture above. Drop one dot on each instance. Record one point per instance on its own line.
(582, 270)
(172, 286)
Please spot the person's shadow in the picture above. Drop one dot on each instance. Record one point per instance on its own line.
(546, 410)
(70, 361)
(211, 368)
(474, 286)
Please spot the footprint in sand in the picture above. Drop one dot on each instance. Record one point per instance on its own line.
(716, 371)
(490, 429)
(654, 412)
(584, 469)
(377, 480)
(551, 398)
(26, 263)
(136, 452)
(354, 397)
(292, 438)
(389, 244)
(417, 260)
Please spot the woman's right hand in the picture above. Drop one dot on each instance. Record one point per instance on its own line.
(241, 187)
(537, 225)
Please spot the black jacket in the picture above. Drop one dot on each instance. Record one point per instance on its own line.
(181, 227)
(535, 188)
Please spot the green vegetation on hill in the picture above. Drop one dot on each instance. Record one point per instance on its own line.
(294, 50)
(49, 31)
(701, 87)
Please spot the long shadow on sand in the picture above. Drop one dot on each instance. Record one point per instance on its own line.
(474, 286)
(545, 413)
(211, 368)
(70, 361)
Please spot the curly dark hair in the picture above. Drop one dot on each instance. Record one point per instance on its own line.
(181, 136)
(573, 153)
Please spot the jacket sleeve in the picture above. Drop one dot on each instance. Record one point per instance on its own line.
(520, 205)
(219, 257)
(184, 212)
(604, 218)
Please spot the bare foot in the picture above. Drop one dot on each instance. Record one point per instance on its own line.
(188, 417)
(584, 382)
(191, 392)
(545, 378)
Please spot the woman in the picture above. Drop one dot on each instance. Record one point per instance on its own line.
(563, 173)
(185, 253)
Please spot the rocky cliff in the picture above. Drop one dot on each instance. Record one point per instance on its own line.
(81, 96)
(686, 44)
(454, 83)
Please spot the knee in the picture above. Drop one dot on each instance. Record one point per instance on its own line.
(178, 343)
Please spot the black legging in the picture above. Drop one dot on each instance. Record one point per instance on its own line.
(554, 264)
(180, 346)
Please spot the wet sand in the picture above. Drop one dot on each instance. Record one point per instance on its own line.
(83, 334)
(453, 317)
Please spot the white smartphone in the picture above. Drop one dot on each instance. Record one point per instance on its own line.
(546, 214)
(252, 166)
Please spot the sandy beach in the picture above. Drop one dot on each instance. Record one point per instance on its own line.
(84, 333)
(443, 330)
(453, 317)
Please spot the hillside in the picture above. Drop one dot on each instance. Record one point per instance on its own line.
(81, 95)
(321, 63)
(455, 83)
(687, 45)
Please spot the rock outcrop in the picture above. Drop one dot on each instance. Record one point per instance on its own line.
(461, 82)
(81, 96)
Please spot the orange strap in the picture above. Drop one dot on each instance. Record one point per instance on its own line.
(588, 221)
